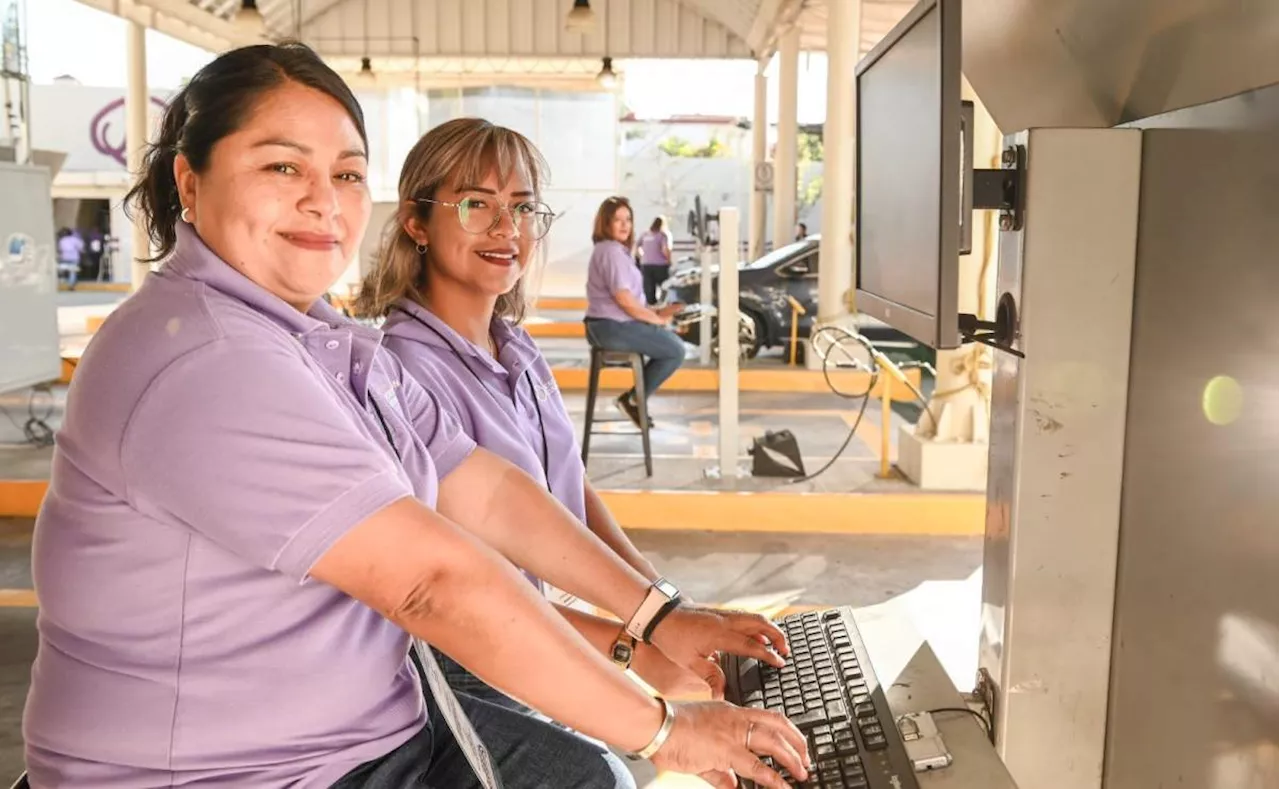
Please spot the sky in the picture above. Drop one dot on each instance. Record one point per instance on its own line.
(65, 37)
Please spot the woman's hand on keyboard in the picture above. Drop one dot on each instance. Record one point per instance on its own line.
(692, 635)
(709, 739)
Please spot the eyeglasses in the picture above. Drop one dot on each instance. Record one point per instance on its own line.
(479, 215)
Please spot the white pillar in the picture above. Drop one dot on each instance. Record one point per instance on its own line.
(706, 259)
(949, 450)
(784, 160)
(835, 276)
(136, 127)
(728, 340)
(759, 152)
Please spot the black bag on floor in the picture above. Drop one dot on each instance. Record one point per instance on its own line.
(776, 454)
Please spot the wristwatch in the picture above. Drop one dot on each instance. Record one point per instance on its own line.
(623, 650)
(662, 595)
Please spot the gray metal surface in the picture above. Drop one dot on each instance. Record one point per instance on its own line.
(28, 279)
(1057, 454)
(1098, 63)
(1194, 690)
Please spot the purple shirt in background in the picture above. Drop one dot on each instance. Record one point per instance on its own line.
(505, 405)
(70, 248)
(610, 270)
(651, 245)
(216, 443)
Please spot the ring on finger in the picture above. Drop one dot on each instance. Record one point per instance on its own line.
(750, 728)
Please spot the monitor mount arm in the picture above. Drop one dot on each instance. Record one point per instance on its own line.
(1000, 190)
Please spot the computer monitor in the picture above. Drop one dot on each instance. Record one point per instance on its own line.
(908, 204)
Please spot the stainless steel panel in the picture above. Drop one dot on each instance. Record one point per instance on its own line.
(1194, 690)
(1057, 451)
(1096, 63)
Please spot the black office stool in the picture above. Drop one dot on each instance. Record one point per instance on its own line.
(601, 359)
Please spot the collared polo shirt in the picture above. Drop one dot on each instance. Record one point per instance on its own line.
(510, 405)
(216, 443)
(611, 269)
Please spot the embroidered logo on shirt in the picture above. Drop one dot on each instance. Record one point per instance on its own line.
(390, 396)
(542, 390)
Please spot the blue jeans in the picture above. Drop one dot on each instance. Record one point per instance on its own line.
(664, 350)
(528, 752)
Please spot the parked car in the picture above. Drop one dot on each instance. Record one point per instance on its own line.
(763, 287)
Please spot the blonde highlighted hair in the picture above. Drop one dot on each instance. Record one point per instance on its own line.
(460, 152)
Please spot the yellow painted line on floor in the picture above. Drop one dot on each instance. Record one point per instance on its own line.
(697, 379)
(20, 498)
(914, 513)
(98, 287)
(565, 303)
(558, 329)
(17, 598)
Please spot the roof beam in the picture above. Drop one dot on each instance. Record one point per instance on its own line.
(178, 19)
(773, 17)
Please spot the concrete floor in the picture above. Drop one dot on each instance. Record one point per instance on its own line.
(740, 569)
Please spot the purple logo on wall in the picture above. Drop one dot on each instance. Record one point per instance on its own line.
(100, 129)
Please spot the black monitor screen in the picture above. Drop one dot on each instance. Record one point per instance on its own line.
(904, 93)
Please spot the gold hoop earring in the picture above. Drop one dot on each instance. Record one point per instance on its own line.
(185, 215)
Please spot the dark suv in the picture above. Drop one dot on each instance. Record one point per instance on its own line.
(763, 288)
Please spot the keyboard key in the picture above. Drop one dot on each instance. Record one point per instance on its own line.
(836, 711)
(866, 708)
(876, 742)
(809, 718)
(846, 745)
(823, 739)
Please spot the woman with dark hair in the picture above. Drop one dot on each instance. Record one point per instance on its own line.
(654, 252)
(617, 318)
(253, 513)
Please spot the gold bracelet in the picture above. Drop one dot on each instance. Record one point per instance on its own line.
(664, 731)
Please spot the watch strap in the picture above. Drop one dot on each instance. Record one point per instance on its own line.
(671, 605)
(650, 606)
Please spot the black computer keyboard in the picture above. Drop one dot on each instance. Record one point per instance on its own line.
(830, 693)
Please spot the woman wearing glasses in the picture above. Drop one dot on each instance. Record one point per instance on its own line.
(617, 318)
(449, 280)
(253, 508)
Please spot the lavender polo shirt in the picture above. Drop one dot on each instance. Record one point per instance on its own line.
(216, 443)
(610, 270)
(506, 405)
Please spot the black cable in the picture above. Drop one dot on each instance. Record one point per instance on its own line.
(986, 724)
(865, 397)
(36, 430)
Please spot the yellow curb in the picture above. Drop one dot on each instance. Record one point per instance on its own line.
(922, 513)
(693, 379)
(20, 498)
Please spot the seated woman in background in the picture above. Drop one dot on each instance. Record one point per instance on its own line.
(450, 281)
(617, 318)
(655, 259)
(252, 510)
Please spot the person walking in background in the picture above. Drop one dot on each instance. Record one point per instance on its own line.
(617, 318)
(655, 259)
(70, 251)
(802, 231)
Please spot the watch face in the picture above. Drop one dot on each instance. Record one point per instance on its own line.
(621, 653)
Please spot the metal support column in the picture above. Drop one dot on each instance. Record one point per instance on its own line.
(784, 160)
(136, 129)
(835, 276)
(761, 172)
